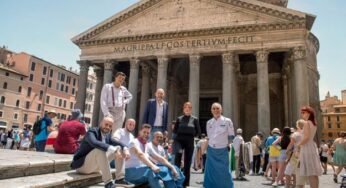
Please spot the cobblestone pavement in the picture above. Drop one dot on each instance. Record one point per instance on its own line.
(326, 181)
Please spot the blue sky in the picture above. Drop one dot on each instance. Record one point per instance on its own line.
(45, 28)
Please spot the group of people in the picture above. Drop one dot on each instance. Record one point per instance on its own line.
(16, 139)
(291, 156)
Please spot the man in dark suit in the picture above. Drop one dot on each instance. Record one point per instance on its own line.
(97, 150)
(156, 113)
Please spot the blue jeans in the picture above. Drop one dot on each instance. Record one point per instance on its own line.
(140, 175)
(40, 145)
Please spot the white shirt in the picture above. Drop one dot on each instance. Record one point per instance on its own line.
(153, 150)
(121, 97)
(324, 149)
(134, 161)
(218, 131)
(123, 136)
(238, 140)
(159, 113)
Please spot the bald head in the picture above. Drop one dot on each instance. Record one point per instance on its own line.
(158, 138)
(106, 125)
(159, 94)
(130, 125)
(216, 109)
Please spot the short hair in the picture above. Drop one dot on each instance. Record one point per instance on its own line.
(300, 123)
(187, 103)
(216, 104)
(119, 74)
(202, 135)
(146, 126)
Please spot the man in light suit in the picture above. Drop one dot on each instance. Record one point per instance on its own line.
(156, 113)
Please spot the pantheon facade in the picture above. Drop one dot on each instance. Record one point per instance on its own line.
(255, 57)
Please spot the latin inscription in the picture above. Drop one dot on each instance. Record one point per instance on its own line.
(193, 43)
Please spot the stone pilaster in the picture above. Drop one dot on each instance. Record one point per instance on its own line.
(82, 84)
(300, 80)
(162, 64)
(230, 87)
(144, 90)
(99, 85)
(263, 100)
(195, 60)
(133, 85)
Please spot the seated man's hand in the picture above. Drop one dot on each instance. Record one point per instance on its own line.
(155, 168)
(126, 154)
(118, 154)
(175, 173)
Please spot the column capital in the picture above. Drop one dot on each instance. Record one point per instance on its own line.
(298, 53)
(84, 65)
(262, 56)
(228, 57)
(145, 68)
(109, 65)
(134, 63)
(162, 61)
(195, 59)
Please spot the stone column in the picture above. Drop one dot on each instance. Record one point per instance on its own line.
(133, 85)
(285, 84)
(229, 87)
(162, 64)
(194, 83)
(82, 84)
(144, 90)
(263, 100)
(107, 78)
(171, 104)
(300, 80)
(99, 85)
(108, 72)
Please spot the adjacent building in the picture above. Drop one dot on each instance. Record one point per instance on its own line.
(333, 115)
(256, 58)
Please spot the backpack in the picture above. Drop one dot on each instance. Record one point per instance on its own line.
(37, 127)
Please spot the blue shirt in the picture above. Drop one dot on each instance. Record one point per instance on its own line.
(43, 135)
(270, 141)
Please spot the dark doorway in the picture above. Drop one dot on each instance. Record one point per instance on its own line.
(205, 112)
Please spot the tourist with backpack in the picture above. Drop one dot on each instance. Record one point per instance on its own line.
(41, 130)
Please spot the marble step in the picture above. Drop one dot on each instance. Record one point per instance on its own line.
(15, 163)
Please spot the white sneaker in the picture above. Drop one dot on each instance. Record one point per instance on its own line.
(275, 184)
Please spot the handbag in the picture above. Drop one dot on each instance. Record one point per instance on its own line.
(274, 151)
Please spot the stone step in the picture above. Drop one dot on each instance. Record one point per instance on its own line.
(54, 180)
(16, 163)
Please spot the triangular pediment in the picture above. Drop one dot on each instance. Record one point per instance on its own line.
(166, 16)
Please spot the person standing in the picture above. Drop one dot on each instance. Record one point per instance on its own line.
(237, 141)
(256, 142)
(26, 137)
(156, 113)
(97, 149)
(114, 98)
(310, 165)
(69, 134)
(324, 156)
(46, 126)
(220, 133)
(185, 129)
(339, 157)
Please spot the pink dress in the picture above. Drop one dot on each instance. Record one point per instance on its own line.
(310, 164)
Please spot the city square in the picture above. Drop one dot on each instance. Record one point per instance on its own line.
(228, 79)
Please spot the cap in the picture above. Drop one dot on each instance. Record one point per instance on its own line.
(239, 131)
(276, 130)
(76, 114)
(51, 111)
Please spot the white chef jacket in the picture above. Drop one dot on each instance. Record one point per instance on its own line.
(219, 130)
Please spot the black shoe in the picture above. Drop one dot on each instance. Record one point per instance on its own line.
(110, 185)
(123, 183)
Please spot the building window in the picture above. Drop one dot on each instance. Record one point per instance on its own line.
(17, 103)
(64, 103)
(329, 125)
(56, 101)
(3, 100)
(57, 86)
(328, 118)
(21, 78)
(62, 77)
(62, 87)
(31, 78)
(33, 65)
(44, 72)
(68, 79)
(51, 73)
(73, 91)
(71, 105)
(50, 83)
(42, 81)
(337, 118)
(27, 104)
(15, 116)
(5, 85)
(39, 107)
(7, 74)
(74, 82)
(19, 89)
(337, 110)
(25, 118)
(41, 95)
(60, 102)
(29, 92)
(338, 125)
(66, 89)
(330, 134)
(1, 113)
(47, 99)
